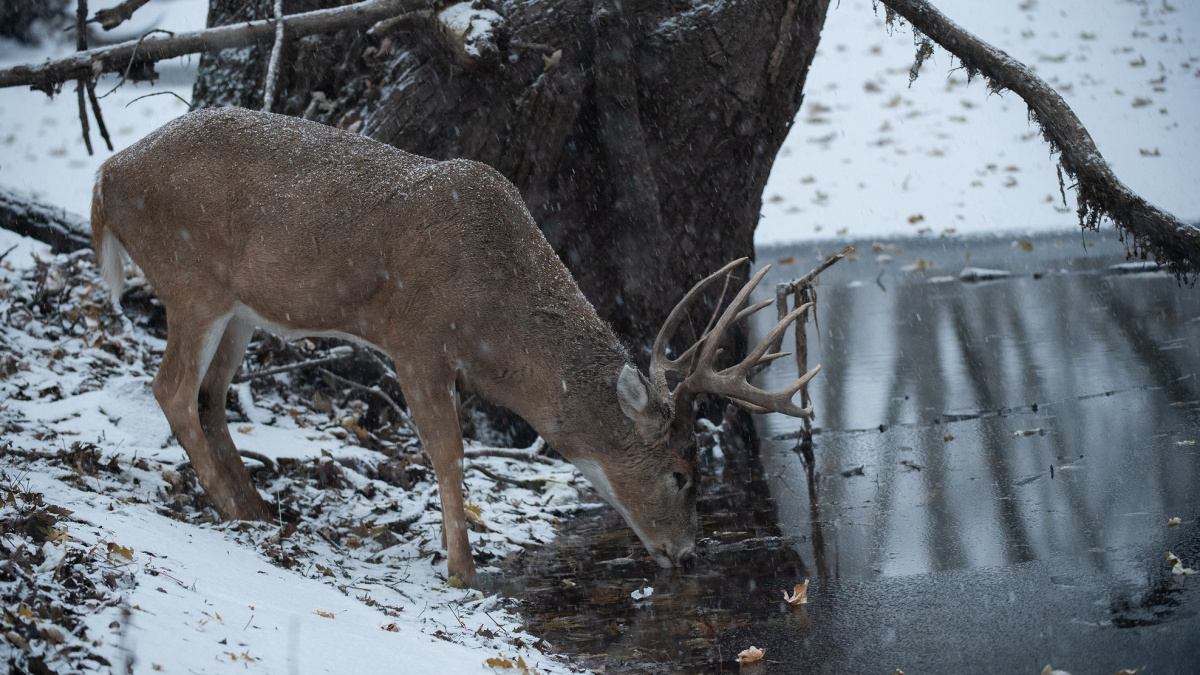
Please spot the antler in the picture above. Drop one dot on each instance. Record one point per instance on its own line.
(731, 382)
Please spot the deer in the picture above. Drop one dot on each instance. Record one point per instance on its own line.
(241, 220)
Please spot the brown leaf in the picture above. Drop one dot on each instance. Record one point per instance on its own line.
(327, 615)
(751, 655)
(799, 594)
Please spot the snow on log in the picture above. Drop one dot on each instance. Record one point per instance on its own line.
(473, 34)
(64, 232)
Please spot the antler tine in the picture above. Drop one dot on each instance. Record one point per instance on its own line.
(773, 335)
(752, 309)
(732, 382)
(709, 353)
(659, 363)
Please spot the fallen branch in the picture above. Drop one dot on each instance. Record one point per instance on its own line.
(1099, 193)
(48, 76)
(64, 232)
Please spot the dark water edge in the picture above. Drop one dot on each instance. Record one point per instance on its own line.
(950, 544)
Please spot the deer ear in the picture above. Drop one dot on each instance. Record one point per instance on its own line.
(632, 392)
(635, 394)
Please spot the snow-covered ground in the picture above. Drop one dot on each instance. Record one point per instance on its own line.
(158, 583)
(111, 555)
(871, 157)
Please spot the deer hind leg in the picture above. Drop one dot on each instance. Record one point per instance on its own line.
(213, 387)
(193, 342)
(435, 412)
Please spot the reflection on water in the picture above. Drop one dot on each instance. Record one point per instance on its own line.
(995, 466)
(979, 389)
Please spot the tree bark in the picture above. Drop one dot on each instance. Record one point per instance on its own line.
(640, 134)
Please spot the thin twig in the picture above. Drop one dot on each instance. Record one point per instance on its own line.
(91, 90)
(333, 357)
(157, 93)
(509, 454)
(132, 56)
(527, 484)
(373, 390)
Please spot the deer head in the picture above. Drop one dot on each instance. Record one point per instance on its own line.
(653, 479)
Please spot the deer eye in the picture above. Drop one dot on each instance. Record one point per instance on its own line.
(680, 480)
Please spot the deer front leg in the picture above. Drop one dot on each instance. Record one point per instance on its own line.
(436, 416)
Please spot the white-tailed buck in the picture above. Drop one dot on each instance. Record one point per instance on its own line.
(242, 219)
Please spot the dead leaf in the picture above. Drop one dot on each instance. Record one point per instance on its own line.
(245, 429)
(327, 615)
(391, 627)
(1025, 246)
(948, 437)
(751, 655)
(1174, 521)
(799, 595)
(122, 551)
(1177, 565)
(788, 260)
(913, 220)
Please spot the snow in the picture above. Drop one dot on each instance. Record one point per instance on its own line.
(871, 157)
(474, 28)
(41, 150)
(356, 584)
(868, 157)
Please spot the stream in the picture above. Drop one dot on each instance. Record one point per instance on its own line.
(995, 466)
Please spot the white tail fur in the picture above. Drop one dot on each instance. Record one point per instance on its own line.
(112, 267)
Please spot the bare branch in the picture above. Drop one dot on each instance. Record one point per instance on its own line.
(1099, 192)
(509, 454)
(115, 16)
(49, 75)
(91, 90)
(400, 412)
(527, 484)
(81, 84)
(337, 354)
(273, 64)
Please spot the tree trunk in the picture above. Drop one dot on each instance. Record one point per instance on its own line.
(641, 149)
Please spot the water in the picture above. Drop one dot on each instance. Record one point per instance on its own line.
(1022, 444)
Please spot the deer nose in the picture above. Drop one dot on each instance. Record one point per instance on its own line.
(682, 556)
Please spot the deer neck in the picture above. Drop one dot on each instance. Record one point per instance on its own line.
(570, 399)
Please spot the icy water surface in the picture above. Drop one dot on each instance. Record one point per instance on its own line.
(996, 463)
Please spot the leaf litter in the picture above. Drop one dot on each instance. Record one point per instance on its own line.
(93, 487)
